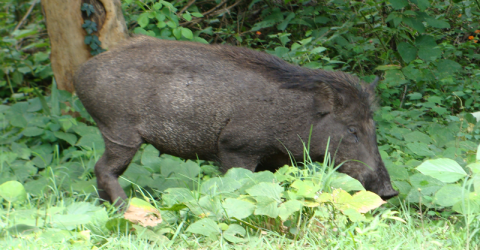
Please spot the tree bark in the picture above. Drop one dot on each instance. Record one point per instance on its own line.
(64, 20)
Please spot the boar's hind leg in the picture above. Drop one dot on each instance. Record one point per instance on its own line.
(111, 165)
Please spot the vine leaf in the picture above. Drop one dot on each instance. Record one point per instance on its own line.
(88, 8)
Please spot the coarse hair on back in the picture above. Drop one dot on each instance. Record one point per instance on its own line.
(295, 77)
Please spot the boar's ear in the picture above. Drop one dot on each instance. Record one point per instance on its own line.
(326, 99)
(370, 89)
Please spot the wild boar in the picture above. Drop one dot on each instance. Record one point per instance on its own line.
(236, 106)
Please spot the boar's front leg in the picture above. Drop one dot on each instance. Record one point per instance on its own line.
(111, 165)
(236, 150)
(237, 160)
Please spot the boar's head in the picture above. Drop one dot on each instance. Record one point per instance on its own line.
(343, 114)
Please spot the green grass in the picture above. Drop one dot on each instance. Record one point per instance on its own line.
(385, 231)
(55, 165)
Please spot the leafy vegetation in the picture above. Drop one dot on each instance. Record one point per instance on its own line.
(426, 51)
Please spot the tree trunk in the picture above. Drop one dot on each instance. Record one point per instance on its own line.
(64, 20)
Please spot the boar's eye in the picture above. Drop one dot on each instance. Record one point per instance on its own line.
(353, 131)
(322, 113)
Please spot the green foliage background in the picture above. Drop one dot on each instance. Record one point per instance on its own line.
(426, 51)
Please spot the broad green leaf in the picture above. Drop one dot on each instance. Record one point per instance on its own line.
(422, 4)
(286, 21)
(35, 104)
(288, 208)
(157, 6)
(286, 173)
(415, 96)
(13, 191)
(388, 67)
(267, 206)
(232, 231)
(354, 215)
(396, 172)
(478, 153)
(346, 183)
(68, 221)
(23, 171)
(258, 177)
(187, 33)
(21, 150)
(206, 227)
(422, 185)
(305, 188)
(207, 206)
(136, 202)
(33, 131)
(8, 157)
(20, 229)
(402, 186)
(429, 53)
(440, 24)
(176, 207)
(91, 141)
(143, 19)
(396, 17)
(16, 119)
(50, 237)
(407, 51)
(266, 189)
(474, 167)
(318, 50)
(443, 169)
(187, 16)
(82, 186)
(420, 149)
(219, 185)
(4, 108)
(425, 41)
(36, 187)
(427, 48)
(470, 205)
(239, 209)
(417, 136)
(365, 201)
(68, 137)
(412, 72)
(449, 194)
(340, 197)
(448, 67)
(82, 130)
(177, 32)
(414, 22)
(150, 156)
(394, 78)
(362, 201)
(20, 108)
(179, 173)
(119, 225)
(398, 4)
(173, 196)
(239, 173)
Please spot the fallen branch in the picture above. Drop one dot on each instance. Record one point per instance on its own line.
(26, 15)
(211, 12)
(185, 8)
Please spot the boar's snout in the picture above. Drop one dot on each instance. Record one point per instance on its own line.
(384, 189)
(374, 179)
(388, 193)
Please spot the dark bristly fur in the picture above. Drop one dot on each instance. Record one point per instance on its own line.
(240, 107)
